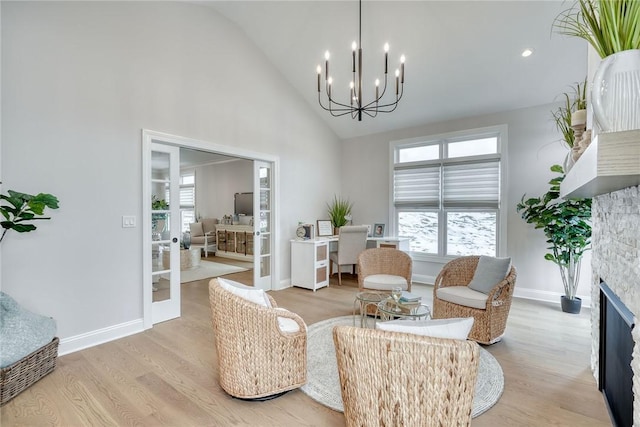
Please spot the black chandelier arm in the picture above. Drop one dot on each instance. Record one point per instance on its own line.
(335, 112)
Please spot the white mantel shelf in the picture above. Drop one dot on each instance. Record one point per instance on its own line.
(610, 163)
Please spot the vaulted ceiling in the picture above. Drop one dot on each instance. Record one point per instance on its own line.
(463, 58)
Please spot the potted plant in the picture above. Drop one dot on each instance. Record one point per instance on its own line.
(570, 119)
(339, 212)
(566, 225)
(20, 209)
(562, 116)
(612, 28)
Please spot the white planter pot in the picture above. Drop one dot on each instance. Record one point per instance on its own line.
(616, 92)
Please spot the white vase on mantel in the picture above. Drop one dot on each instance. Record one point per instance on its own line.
(616, 92)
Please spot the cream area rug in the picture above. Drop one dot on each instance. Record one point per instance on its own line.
(205, 270)
(323, 382)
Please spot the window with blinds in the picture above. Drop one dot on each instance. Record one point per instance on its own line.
(187, 199)
(447, 193)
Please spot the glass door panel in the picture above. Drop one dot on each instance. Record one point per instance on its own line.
(263, 226)
(165, 232)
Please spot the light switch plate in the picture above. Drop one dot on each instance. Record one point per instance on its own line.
(128, 221)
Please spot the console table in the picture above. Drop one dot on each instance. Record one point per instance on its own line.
(234, 241)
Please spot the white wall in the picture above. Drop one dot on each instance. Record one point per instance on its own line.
(216, 184)
(533, 146)
(80, 80)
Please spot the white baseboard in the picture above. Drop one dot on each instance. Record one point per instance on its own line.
(99, 336)
(421, 278)
(546, 296)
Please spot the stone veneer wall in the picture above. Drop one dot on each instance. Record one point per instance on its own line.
(616, 260)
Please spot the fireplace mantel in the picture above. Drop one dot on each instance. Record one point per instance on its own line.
(610, 163)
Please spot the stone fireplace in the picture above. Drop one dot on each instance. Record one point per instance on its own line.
(616, 261)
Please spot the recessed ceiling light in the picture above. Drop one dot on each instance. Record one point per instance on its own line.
(526, 52)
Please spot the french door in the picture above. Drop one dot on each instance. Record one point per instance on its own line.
(164, 263)
(262, 224)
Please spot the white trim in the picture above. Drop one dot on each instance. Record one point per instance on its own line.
(100, 336)
(546, 296)
(423, 279)
(149, 136)
(502, 132)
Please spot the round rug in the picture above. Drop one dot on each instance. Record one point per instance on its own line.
(323, 382)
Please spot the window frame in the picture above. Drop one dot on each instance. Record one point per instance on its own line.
(499, 131)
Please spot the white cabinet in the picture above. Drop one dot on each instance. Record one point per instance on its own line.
(310, 263)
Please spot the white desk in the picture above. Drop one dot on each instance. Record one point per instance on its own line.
(310, 258)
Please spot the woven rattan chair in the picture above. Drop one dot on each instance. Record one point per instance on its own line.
(384, 262)
(491, 320)
(256, 360)
(401, 379)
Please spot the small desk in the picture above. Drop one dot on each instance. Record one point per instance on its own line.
(310, 258)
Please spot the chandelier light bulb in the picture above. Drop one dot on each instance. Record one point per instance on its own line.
(402, 59)
(397, 73)
(386, 47)
(354, 46)
(326, 55)
(319, 70)
(330, 80)
(377, 82)
(352, 85)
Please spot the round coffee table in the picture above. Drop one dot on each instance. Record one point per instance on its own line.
(189, 258)
(363, 301)
(390, 310)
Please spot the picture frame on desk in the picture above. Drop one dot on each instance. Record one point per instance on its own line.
(378, 230)
(325, 228)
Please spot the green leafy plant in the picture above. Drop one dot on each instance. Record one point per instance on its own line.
(576, 100)
(566, 225)
(339, 210)
(19, 209)
(610, 26)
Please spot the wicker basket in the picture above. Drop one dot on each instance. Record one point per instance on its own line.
(26, 371)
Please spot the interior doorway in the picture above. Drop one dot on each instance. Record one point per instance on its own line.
(257, 233)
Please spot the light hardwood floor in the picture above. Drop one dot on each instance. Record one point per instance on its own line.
(167, 376)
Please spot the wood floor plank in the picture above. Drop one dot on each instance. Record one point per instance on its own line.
(167, 376)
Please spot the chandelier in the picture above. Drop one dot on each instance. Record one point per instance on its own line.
(356, 105)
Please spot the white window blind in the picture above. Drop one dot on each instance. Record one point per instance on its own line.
(472, 185)
(187, 197)
(417, 186)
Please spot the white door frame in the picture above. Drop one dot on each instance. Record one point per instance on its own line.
(149, 136)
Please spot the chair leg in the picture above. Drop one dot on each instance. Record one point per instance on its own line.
(339, 276)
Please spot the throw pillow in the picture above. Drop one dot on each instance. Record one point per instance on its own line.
(457, 328)
(489, 272)
(254, 295)
(195, 228)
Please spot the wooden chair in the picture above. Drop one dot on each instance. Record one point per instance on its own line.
(351, 241)
(491, 310)
(401, 379)
(256, 359)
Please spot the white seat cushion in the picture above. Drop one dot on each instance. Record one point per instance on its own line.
(454, 328)
(254, 295)
(462, 295)
(384, 282)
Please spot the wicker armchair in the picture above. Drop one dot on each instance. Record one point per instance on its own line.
(401, 379)
(256, 360)
(384, 262)
(491, 320)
